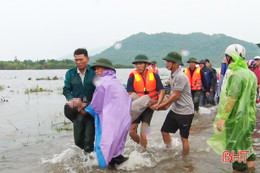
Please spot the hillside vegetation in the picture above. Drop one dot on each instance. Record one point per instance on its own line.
(156, 46)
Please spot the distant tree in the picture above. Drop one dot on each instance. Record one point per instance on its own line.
(15, 59)
(42, 61)
(39, 64)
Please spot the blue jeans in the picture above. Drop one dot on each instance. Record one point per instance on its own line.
(207, 100)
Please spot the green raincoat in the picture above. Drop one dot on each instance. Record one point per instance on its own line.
(237, 107)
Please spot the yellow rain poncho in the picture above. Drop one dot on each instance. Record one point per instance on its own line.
(237, 107)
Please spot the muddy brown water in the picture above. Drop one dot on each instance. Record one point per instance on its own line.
(33, 139)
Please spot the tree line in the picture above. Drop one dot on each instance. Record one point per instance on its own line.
(43, 64)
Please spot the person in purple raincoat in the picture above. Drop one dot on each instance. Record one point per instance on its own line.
(111, 106)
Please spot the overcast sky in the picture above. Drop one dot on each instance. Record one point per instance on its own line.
(50, 29)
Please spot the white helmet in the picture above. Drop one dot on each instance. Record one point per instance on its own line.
(236, 49)
(257, 58)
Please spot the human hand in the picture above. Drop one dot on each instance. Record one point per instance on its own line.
(70, 103)
(161, 107)
(81, 106)
(211, 89)
(74, 102)
(83, 112)
(151, 103)
(220, 124)
(207, 94)
(77, 102)
(155, 106)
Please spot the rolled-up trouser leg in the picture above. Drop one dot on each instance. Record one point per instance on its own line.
(89, 134)
(196, 100)
(203, 98)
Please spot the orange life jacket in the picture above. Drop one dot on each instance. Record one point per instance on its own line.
(219, 74)
(195, 79)
(153, 68)
(147, 86)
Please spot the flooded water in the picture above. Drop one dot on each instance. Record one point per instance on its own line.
(36, 137)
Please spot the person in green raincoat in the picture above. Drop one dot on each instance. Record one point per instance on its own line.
(235, 120)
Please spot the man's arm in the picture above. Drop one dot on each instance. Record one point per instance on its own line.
(161, 96)
(213, 78)
(234, 89)
(204, 81)
(129, 86)
(159, 87)
(160, 99)
(67, 89)
(165, 105)
(228, 107)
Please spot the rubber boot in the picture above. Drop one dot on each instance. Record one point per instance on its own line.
(118, 160)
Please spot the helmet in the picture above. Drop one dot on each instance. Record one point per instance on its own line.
(103, 62)
(236, 49)
(141, 58)
(174, 57)
(251, 63)
(257, 58)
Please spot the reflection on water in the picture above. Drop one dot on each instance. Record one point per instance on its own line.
(34, 138)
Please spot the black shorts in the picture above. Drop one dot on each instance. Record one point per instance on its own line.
(145, 117)
(174, 121)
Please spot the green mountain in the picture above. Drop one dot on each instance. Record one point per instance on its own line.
(156, 46)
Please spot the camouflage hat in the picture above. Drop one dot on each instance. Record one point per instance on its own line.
(141, 58)
(192, 59)
(103, 62)
(174, 57)
(153, 62)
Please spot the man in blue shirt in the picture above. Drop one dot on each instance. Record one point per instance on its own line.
(208, 97)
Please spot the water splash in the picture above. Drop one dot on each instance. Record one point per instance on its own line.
(72, 159)
(137, 160)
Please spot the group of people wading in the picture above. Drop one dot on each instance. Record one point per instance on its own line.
(102, 110)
